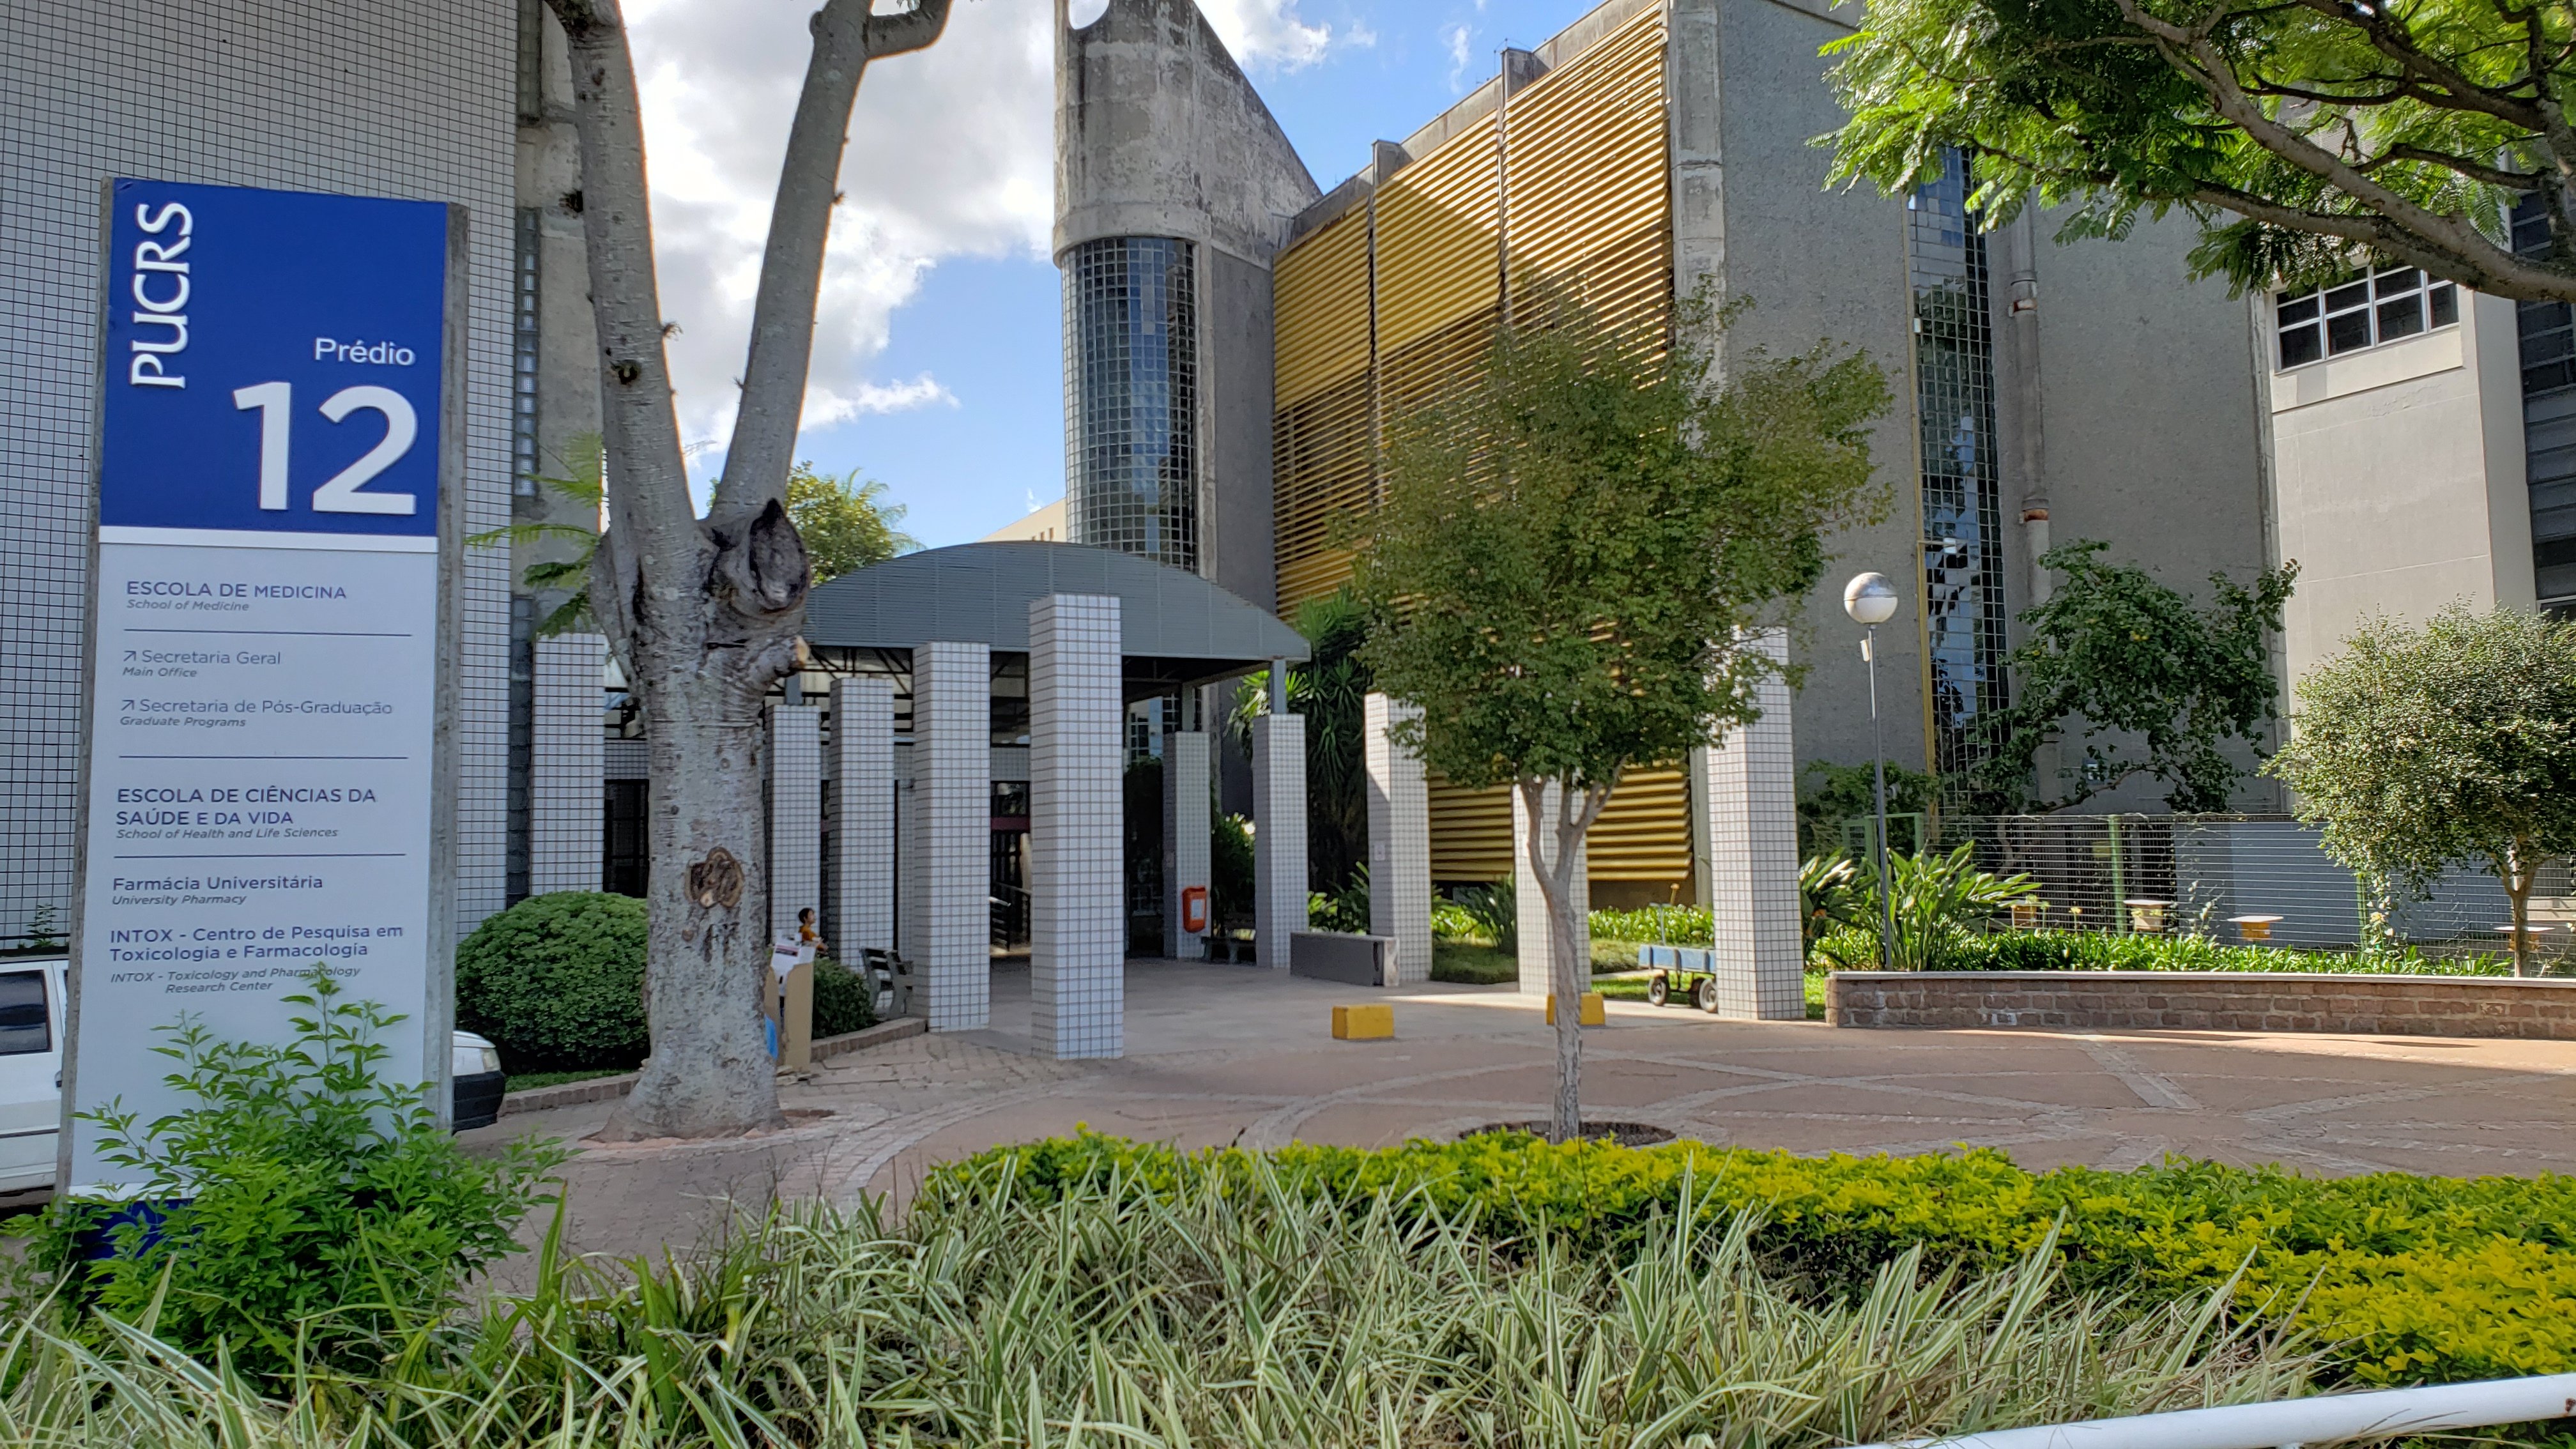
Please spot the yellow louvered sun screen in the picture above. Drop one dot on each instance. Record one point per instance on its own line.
(1590, 202)
(1643, 835)
(1322, 438)
(1389, 306)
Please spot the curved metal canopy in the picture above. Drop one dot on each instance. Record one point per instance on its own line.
(1174, 626)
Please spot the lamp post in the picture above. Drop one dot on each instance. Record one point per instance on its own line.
(1871, 601)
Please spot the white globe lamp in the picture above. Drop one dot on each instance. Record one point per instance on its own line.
(1870, 600)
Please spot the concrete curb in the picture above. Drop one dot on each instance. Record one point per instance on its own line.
(601, 1089)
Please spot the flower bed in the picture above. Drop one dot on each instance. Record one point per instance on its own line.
(2405, 1278)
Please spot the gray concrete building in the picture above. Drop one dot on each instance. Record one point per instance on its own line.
(1173, 188)
(1653, 149)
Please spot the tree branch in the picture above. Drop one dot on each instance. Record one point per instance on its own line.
(2390, 38)
(910, 30)
(2495, 176)
(763, 448)
(647, 480)
(2404, 229)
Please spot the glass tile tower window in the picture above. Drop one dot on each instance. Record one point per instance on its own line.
(1954, 371)
(2548, 337)
(1131, 397)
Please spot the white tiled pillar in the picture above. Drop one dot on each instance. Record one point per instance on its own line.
(567, 763)
(1278, 834)
(1537, 944)
(1751, 797)
(1186, 854)
(1077, 828)
(1399, 826)
(795, 813)
(862, 862)
(948, 918)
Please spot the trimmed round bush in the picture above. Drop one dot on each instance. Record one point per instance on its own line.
(557, 982)
(844, 1000)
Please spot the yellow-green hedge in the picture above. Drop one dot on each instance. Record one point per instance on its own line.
(2410, 1278)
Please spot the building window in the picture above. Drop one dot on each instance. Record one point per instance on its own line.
(524, 322)
(1954, 398)
(2548, 336)
(2363, 311)
(1131, 398)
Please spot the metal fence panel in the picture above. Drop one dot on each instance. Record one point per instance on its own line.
(2207, 874)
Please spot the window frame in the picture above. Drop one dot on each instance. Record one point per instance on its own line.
(44, 1012)
(2359, 298)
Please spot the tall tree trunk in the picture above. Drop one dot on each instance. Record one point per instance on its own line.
(1569, 934)
(2520, 870)
(706, 612)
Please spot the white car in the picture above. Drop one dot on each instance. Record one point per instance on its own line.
(31, 1073)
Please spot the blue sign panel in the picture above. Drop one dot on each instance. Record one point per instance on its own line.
(273, 361)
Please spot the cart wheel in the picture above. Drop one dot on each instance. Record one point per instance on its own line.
(1704, 994)
(1657, 990)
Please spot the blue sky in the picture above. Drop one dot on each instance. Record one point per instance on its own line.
(985, 325)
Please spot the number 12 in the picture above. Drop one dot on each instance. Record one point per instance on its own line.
(276, 401)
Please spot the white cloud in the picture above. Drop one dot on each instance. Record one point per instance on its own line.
(1267, 32)
(824, 408)
(1457, 38)
(951, 154)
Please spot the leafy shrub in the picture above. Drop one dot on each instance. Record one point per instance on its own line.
(1681, 925)
(1856, 950)
(1832, 895)
(309, 1196)
(1346, 909)
(1853, 948)
(557, 981)
(844, 1000)
(1230, 863)
(1450, 921)
(1938, 901)
(2406, 1277)
(1493, 914)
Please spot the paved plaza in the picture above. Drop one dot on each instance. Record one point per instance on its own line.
(1232, 1054)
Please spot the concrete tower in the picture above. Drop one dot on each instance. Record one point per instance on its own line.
(1173, 189)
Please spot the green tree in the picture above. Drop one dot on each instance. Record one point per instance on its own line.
(1835, 794)
(2420, 749)
(1575, 554)
(846, 522)
(563, 580)
(2132, 662)
(2305, 136)
(1330, 690)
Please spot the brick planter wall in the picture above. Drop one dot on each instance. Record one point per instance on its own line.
(2486, 1006)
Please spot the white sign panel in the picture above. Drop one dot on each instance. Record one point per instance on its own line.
(263, 787)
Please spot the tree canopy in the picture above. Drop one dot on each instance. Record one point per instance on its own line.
(1576, 556)
(2133, 662)
(846, 522)
(1570, 554)
(2420, 749)
(2308, 136)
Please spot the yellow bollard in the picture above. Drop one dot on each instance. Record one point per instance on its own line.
(1363, 1023)
(1593, 1012)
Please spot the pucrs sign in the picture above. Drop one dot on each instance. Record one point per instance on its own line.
(268, 769)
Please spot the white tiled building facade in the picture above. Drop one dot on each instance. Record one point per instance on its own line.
(1077, 828)
(399, 98)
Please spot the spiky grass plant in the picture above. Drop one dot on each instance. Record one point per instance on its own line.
(1202, 1316)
